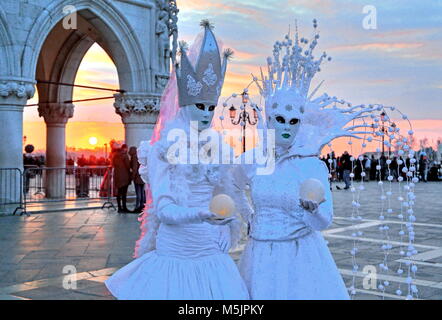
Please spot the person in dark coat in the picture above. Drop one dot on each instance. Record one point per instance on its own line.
(139, 183)
(347, 168)
(122, 177)
(423, 165)
(29, 163)
(373, 171)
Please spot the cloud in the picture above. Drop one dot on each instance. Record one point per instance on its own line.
(378, 65)
(379, 46)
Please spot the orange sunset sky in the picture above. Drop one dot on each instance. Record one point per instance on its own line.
(397, 64)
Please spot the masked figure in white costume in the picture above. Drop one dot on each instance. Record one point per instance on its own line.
(183, 253)
(286, 257)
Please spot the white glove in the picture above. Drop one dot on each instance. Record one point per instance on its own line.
(213, 219)
(205, 215)
(309, 205)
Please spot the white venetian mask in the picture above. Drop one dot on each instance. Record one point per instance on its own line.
(200, 113)
(286, 129)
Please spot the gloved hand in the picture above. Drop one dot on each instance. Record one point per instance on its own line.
(224, 239)
(206, 215)
(309, 205)
(212, 218)
(218, 222)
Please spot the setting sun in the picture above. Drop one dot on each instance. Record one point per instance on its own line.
(93, 141)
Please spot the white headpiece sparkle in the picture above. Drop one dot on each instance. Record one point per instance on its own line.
(290, 73)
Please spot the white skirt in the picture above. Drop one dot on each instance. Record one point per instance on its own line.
(187, 265)
(301, 269)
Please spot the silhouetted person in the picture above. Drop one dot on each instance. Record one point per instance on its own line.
(394, 168)
(82, 178)
(346, 169)
(367, 167)
(29, 162)
(139, 183)
(374, 163)
(423, 164)
(121, 165)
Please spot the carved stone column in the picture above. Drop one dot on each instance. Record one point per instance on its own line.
(13, 96)
(56, 116)
(139, 113)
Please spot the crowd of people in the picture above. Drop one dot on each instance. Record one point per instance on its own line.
(125, 167)
(342, 166)
(84, 161)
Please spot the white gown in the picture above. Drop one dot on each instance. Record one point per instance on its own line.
(286, 257)
(187, 261)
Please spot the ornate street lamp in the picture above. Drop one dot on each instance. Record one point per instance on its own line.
(243, 118)
(382, 131)
(393, 126)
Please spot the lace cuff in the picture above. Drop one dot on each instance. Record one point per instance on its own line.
(175, 214)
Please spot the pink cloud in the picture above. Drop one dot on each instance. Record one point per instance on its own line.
(216, 7)
(385, 47)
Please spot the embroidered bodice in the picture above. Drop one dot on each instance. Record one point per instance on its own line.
(278, 215)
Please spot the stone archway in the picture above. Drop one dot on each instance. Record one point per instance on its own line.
(45, 50)
(14, 91)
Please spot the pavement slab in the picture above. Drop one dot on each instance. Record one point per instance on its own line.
(42, 253)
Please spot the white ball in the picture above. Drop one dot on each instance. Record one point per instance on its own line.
(312, 189)
(222, 205)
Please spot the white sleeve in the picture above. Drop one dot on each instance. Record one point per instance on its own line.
(323, 218)
(164, 197)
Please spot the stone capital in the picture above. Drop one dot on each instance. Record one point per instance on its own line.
(56, 113)
(137, 107)
(16, 91)
(21, 88)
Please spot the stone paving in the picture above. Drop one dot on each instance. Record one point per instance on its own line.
(37, 252)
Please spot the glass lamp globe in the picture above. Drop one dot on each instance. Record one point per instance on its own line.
(313, 190)
(222, 205)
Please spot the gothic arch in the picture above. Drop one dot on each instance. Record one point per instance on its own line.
(116, 37)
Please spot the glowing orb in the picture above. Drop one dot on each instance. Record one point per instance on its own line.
(93, 141)
(222, 205)
(313, 190)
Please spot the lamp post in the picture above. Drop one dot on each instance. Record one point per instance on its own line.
(393, 126)
(383, 131)
(243, 118)
(105, 151)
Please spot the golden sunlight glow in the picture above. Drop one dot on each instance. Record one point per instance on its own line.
(93, 141)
